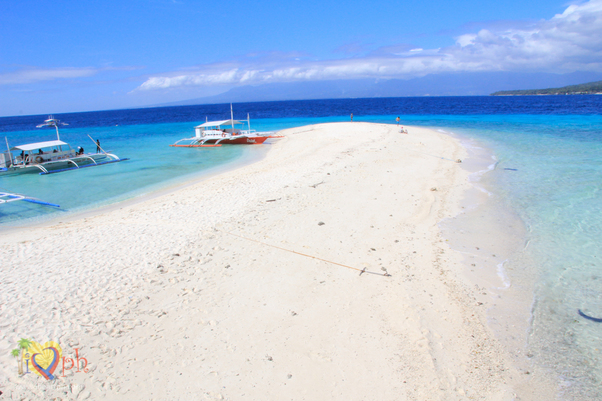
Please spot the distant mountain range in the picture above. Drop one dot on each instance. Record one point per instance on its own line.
(591, 88)
(456, 84)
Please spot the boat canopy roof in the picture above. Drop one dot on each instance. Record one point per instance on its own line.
(38, 145)
(218, 123)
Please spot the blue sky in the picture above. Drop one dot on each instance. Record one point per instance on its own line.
(60, 56)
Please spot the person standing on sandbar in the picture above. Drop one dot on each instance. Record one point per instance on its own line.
(98, 146)
(351, 116)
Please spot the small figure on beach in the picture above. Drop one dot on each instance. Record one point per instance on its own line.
(351, 116)
(403, 130)
(98, 146)
(397, 119)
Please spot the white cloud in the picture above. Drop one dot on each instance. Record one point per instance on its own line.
(567, 42)
(31, 75)
(197, 79)
(571, 41)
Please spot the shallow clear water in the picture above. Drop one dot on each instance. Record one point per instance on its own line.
(549, 172)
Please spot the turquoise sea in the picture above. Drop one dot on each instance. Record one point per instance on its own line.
(548, 170)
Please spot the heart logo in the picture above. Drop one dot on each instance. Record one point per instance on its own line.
(44, 358)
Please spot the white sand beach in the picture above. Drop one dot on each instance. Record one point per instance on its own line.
(225, 290)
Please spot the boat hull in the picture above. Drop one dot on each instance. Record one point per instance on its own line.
(255, 140)
(212, 143)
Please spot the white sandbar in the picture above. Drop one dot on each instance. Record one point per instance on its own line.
(185, 295)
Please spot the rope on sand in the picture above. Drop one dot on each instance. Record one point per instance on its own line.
(362, 271)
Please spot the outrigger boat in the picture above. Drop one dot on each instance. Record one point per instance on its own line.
(50, 156)
(218, 133)
(6, 197)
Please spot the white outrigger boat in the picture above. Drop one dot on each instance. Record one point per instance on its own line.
(218, 133)
(50, 156)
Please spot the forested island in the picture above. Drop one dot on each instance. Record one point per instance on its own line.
(591, 88)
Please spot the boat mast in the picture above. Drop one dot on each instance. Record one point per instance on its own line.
(54, 122)
(10, 156)
(248, 123)
(232, 118)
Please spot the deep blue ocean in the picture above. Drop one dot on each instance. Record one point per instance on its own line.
(553, 144)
